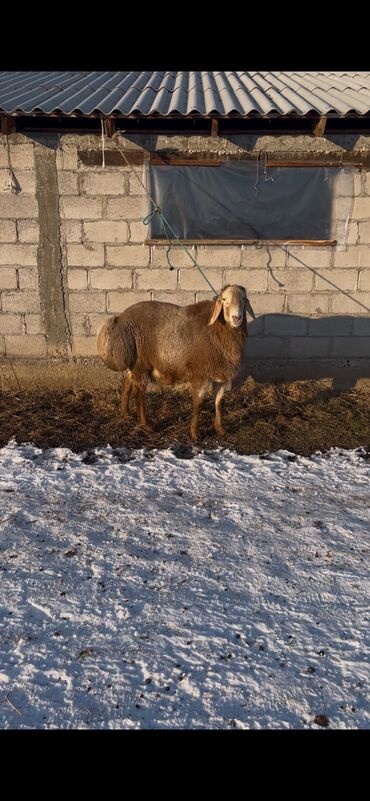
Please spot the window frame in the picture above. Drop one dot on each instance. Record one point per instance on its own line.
(157, 159)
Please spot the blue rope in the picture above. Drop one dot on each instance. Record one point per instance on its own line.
(165, 225)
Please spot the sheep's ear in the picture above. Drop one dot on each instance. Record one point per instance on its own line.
(248, 308)
(216, 310)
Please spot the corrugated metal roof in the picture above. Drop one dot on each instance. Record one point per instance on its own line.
(186, 93)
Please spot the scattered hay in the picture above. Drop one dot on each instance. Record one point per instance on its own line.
(299, 416)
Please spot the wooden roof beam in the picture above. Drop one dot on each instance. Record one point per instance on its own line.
(319, 126)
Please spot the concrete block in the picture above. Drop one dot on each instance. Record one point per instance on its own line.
(67, 183)
(27, 279)
(110, 279)
(107, 182)
(32, 346)
(119, 301)
(80, 208)
(156, 279)
(8, 231)
(252, 280)
(77, 279)
(8, 278)
(28, 231)
(106, 231)
(86, 302)
(10, 323)
(21, 301)
(127, 208)
(88, 255)
(128, 255)
(193, 280)
(18, 206)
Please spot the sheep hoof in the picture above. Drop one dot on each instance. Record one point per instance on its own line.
(145, 427)
(220, 431)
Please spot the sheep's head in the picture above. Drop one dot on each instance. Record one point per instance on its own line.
(233, 302)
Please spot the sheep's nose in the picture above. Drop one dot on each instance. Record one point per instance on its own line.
(236, 318)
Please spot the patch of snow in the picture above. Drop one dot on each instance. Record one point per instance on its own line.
(142, 590)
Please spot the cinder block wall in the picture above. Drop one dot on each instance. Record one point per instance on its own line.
(72, 252)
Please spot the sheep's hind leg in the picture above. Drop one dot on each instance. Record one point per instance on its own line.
(198, 392)
(139, 387)
(126, 390)
(219, 391)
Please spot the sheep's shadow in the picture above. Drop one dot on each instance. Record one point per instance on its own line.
(288, 347)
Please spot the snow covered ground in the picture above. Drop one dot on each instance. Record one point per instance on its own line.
(146, 590)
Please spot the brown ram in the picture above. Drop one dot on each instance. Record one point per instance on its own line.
(170, 344)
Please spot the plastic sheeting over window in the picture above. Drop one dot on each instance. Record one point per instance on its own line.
(234, 201)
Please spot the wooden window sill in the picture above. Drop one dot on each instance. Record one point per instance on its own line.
(261, 242)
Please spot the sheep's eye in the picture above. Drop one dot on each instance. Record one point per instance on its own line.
(224, 299)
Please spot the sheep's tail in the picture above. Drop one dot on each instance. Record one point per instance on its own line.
(116, 344)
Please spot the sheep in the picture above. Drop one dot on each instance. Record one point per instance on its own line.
(170, 344)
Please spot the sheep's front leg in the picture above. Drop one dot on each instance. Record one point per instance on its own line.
(219, 390)
(198, 392)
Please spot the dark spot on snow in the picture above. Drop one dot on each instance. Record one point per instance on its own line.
(90, 458)
(148, 680)
(364, 453)
(321, 653)
(321, 720)
(70, 553)
(85, 653)
(122, 455)
(183, 452)
(211, 455)
(311, 669)
(148, 454)
(238, 636)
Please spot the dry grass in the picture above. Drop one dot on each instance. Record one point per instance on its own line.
(301, 417)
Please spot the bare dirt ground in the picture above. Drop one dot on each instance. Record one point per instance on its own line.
(301, 417)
